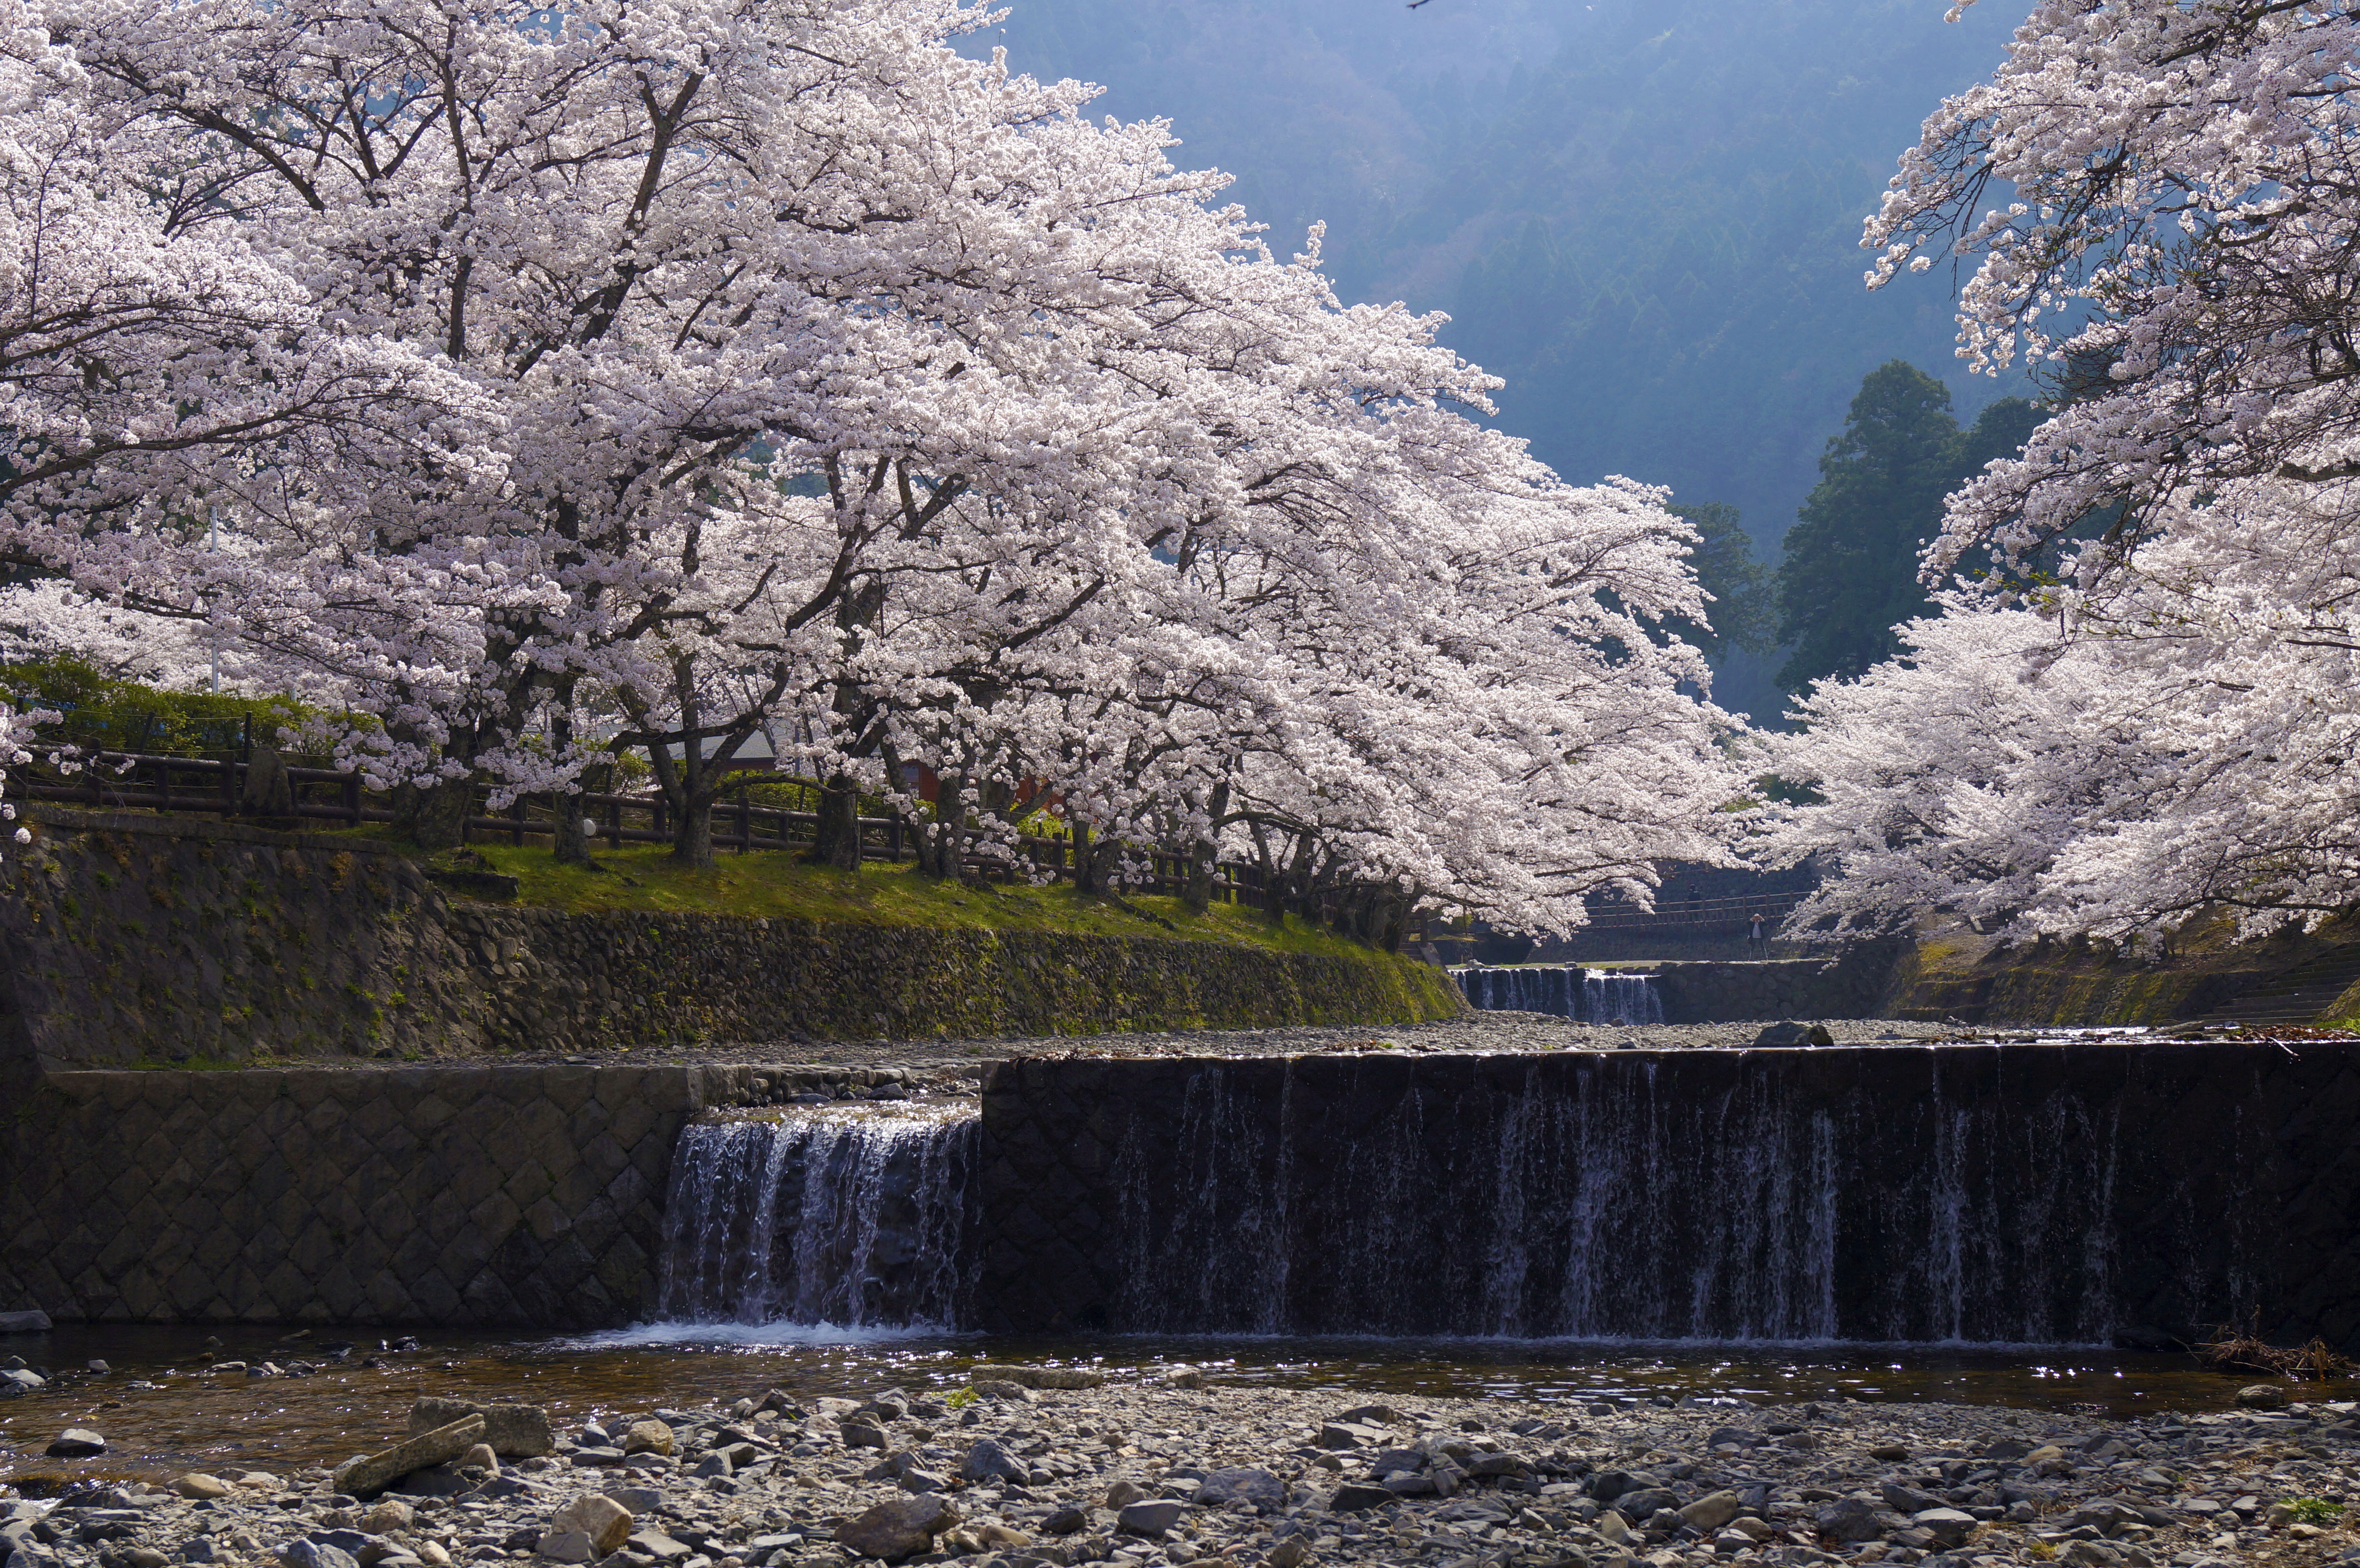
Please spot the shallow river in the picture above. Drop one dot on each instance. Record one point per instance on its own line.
(181, 1420)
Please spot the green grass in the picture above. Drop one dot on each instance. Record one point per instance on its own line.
(770, 885)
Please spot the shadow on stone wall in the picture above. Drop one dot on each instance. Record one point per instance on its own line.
(494, 1197)
(144, 939)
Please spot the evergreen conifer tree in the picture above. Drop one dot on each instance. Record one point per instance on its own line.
(1849, 575)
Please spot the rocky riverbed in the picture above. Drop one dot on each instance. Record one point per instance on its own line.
(1007, 1473)
(1482, 1031)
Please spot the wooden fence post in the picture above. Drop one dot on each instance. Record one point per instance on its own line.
(745, 818)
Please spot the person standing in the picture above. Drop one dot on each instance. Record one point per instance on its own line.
(1756, 946)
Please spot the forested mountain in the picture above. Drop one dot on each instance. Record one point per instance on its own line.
(1645, 213)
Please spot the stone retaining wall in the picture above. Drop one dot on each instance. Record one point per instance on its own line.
(129, 939)
(494, 1197)
(1850, 986)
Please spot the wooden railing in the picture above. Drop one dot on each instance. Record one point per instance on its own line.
(1699, 917)
(115, 780)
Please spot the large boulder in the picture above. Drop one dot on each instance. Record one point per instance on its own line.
(606, 1523)
(367, 1475)
(647, 1437)
(903, 1528)
(988, 1461)
(1152, 1517)
(1713, 1510)
(1856, 1518)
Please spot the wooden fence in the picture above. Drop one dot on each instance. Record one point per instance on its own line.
(1698, 917)
(113, 781)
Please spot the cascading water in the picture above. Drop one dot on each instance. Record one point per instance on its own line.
(1585, 995)
(858, 1218)
(1925, 1195)
(1704, 1195)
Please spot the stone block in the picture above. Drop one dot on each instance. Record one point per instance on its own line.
(513, 1431)
(605, 1522)
(364, 1476)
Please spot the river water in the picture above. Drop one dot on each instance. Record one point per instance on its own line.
(181, 1419)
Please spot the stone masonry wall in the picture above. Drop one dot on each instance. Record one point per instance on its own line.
(130, 939)
(492, 1197)
(1849, 987)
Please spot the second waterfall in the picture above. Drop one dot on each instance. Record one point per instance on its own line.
(857, 1219)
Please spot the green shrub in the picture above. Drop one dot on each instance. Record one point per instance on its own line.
(96, 710)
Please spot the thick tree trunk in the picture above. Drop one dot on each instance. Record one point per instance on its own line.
(838, 843)
(1086, 855)
(571, 844)
(692, 833)
(1196, 893)
(435, 817)
(1204, 854)
(1273, 902)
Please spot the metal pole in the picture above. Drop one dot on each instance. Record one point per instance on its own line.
(213, 545)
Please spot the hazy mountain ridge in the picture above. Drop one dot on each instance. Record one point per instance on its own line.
(1646, 216)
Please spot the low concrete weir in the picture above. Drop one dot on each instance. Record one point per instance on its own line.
(2080, 1193)
(2073, 1194)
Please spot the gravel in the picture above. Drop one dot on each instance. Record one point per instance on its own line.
(1114, 1474)
(1484, 1031)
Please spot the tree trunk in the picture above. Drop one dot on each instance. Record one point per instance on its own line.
(838, 843)
(435, 817)
(1196, 893)
(1086, 855)
(1203, 854)
(570, 841)
(1273, 905)
(692, 833)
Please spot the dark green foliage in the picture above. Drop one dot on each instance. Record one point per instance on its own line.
(97, 710)
(1743, 613)
(1849, 575)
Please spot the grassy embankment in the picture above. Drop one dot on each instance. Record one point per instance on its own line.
(770, 885)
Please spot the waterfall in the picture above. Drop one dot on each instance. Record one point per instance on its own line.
(851, 1218)
(1585, 995)
(1612, 1197)
(1899, 1194)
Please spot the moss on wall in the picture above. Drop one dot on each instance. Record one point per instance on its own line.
(135, 939)
(1954, 972)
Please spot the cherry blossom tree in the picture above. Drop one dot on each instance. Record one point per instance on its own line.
(2161, 727)
(2046, 769)
(545, 383)
(2177, 242)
